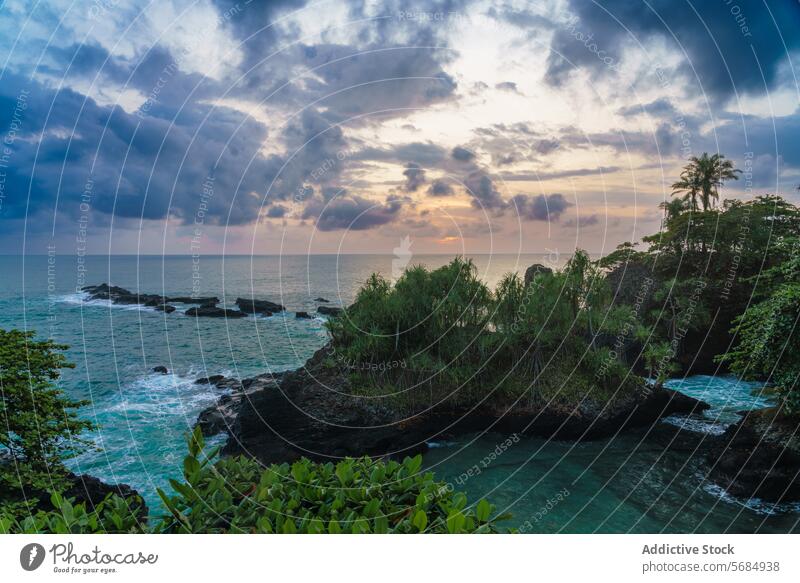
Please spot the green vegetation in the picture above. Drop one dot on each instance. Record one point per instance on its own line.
(39, 425)
(352, 496)
(238, 495)
(768, 333)
(459, 342)
(724, 282)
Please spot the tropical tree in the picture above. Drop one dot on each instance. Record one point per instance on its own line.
(703, 177)
(39, 425)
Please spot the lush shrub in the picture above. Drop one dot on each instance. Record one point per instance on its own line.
(112, 515)
(238, 495)
(458, 341)
(768, 337)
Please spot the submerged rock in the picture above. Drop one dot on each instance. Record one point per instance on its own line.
(304, 315)
(161, 369)
(329, 310)
(321, 300)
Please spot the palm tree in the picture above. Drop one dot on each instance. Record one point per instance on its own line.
(672, 208)
(704, 176)
(689, 185)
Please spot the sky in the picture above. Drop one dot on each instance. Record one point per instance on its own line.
(293, 127)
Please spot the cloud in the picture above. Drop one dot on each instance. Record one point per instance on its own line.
(541, 207)
(141, 167)
(483, 192)
(352, 212)
(277, 211)
(509, 86)
(415, 177)
(462, 154)
(587, 221)
(729, 47)
(551, 175)
(440, 188)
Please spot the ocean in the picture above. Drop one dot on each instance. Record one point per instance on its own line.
(623, 484)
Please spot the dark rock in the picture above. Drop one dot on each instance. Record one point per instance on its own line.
(759, 457)
(258, 306)
(221, 416)
(161, 369)
(211, 380)
(211, 300)
(165, 308)
(322, 300)
(534, 270)
(314, 414)
(92, 491)
(329, 310)
(304, 315)
(209, 311)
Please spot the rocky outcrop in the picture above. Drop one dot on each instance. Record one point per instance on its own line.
(208, 311)
(321, 300)
(121, 296)
(534, 270)
(160, 369)
(221, 416)
(303, 315)
(212, 380)
(759, 457)
(329, 310)
(312, 412)
(85, 488)
(262, 307)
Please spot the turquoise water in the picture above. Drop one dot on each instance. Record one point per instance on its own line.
(629, 483)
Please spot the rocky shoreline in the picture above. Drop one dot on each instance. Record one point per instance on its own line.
(310, 412)
(201, 306)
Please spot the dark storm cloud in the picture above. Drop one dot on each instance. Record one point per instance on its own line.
(140, 167)
(462, 154)
(352, 212)
(440, 188)
(415, 177)
(541, 207)
(728, 45)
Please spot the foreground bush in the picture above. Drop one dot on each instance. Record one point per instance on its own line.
(237, 495)
(353, 496)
